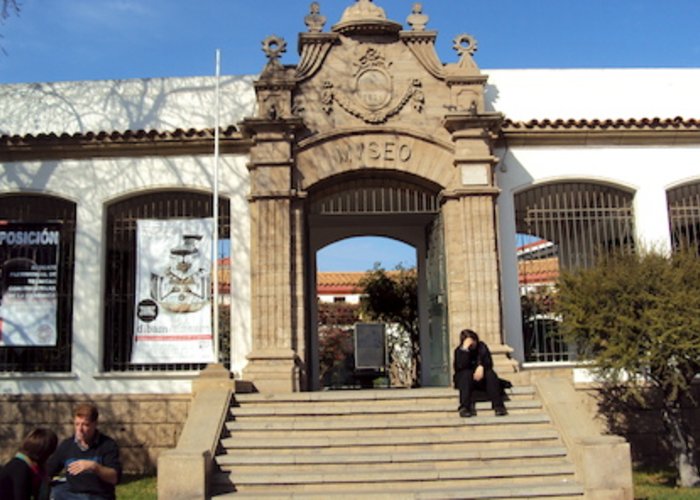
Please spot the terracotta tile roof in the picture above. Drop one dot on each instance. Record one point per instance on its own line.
(616, 124)
(339, 278)
(339, 282)
(538, 270)
(342, 282)
(118, 136)
(135, 136)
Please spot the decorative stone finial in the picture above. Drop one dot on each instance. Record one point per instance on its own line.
(315, 21)
(273, 47)
(417, 20)
(465, 45)
(363, 10)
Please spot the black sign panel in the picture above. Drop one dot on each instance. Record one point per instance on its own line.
(370, 345)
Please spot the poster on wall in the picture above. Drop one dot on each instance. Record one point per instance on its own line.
(173, 316)
(28, 283)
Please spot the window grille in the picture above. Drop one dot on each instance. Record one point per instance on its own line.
(563, 226)
(684, 216)
(21, 207)
(120, 269)
(368, 196)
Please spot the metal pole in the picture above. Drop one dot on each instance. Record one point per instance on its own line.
(215, 209)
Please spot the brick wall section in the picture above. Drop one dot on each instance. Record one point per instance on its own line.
(143, 425)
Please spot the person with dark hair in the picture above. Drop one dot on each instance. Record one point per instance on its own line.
(473, 369)
(89, 458)
(24, 477)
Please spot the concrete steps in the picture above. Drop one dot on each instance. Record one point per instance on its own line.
(390, 444)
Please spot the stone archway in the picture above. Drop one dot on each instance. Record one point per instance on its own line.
(371, 99)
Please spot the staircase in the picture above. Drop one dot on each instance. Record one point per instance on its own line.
(394, 443)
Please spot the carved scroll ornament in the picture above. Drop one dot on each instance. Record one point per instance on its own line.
(414, 94)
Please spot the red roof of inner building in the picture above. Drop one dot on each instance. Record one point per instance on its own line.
(339, 282)
(538, 270)
(342, 282)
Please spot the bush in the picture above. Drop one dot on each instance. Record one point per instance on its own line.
(637, 317)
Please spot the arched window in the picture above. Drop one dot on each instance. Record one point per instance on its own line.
(120, 270)
(30, 213)
(684, 216)
(563, 225)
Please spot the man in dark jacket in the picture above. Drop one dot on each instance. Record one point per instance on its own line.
(90, 459)
(473, 369)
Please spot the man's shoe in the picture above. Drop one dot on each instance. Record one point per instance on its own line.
(465, 413)
(501, 412)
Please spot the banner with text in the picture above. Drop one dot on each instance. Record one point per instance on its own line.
(173, 320)
(28, 283)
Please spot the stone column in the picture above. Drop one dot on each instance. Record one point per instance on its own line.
(274, 362)
(471, 235)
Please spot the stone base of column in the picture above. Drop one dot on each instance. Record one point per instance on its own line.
(502, 362)
(273, 371)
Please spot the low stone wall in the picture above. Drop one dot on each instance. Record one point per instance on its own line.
(143, 425)
(641, 427)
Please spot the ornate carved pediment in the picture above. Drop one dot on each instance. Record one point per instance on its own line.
(372, 97)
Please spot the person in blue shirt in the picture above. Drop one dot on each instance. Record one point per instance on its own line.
(89, 458)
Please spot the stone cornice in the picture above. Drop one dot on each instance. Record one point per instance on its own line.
(455, 194)
(458, 122)
(129, 143)
(270, 128)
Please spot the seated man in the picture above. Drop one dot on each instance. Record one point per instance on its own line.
(473, 369)
(90, 460)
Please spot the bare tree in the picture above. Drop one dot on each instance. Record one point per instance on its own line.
(9, 7)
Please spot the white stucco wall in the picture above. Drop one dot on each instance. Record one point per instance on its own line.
(351, 298)
(92, 184)
(117, 105)
(526, 94)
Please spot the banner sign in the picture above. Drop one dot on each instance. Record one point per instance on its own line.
(28, 283)
(173, 315)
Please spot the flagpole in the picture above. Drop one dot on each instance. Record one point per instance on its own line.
(215, 208)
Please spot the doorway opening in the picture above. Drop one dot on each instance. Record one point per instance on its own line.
(356, 210)
(367, 299)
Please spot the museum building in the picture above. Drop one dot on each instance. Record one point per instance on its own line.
(107, 196)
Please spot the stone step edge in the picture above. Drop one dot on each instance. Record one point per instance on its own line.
(280, 410)
(364, 395)
(393, 458)
(322, 424)
(532, 491)
(291, 442)
(428, 474)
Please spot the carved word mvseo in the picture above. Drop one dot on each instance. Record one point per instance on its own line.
(373, 151)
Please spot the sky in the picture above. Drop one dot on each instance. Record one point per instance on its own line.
(58, 40)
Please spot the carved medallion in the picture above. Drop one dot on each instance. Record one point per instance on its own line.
(373, 84)
(374, 88)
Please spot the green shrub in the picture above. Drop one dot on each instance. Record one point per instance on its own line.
(637, 318)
